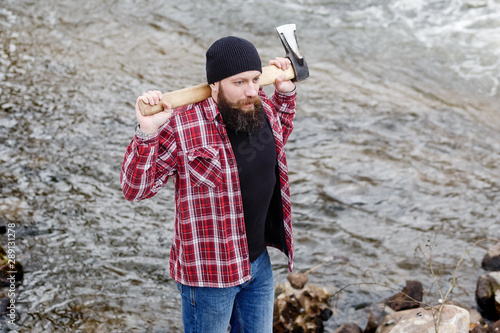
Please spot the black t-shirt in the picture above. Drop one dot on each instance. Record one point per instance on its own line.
(256, 158)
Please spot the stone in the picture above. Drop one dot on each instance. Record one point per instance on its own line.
(491, 261)
(349, 328)
(300, 310)
(453, 319)
(410, 297)
(4, 303)
(325, 313)
(479, 329)
(494, 328)
(297, 280)
(376, 315)
(488, 295)
(475, 317)
(286, 309)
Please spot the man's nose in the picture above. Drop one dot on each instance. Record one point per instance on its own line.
(252, 90)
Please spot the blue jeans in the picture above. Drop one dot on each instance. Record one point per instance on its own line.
(246, 308)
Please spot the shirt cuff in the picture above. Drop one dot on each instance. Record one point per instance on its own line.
(285, 97)
(142, 135)
(288, 94)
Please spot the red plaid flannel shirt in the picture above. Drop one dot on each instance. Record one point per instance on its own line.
(209, 248)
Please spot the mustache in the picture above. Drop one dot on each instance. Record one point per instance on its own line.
(253, 100)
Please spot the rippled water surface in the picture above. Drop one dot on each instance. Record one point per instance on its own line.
(396, 147)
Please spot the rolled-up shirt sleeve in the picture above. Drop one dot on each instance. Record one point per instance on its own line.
(148, 163)
(284, 104)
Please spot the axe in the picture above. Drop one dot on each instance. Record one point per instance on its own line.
(297, 72)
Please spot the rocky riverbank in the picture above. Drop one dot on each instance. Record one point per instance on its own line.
(304, 308)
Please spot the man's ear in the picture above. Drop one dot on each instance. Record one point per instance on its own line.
(215, 90)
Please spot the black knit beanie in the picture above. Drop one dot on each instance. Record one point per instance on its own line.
(229, 56)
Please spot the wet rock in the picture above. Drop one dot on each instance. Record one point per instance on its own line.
(297, 280)
(377, 314)
(475, 317)
(453, 319)
(488, 295)
(494, 328)
(410, 297)
(286, 309)
(479, 329)
(349, 328)
(4, 303)
(491, 261)
(308, 324)
(300, 310)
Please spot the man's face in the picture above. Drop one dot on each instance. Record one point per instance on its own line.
(239, 103)
(240, 90)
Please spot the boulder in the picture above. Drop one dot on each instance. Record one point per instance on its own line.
(491, 261)
(286, 309)
(453, 319)
(494, 328)
(479, 329)
(376, 315)
(4, 303)
(475, 317)
(409, 297)
(300, 310)
(488, 295)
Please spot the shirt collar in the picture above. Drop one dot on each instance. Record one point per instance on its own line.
(210, 109)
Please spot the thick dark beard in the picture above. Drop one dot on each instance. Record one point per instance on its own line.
(239, 120)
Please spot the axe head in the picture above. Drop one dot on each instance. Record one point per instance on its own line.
(289, 40)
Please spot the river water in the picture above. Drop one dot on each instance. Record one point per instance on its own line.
(395, 156)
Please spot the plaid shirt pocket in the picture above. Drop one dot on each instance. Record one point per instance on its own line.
(204, 166)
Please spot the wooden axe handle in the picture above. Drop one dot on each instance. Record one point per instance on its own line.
(201, 92)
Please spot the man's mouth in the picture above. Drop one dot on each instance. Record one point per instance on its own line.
(247, 104)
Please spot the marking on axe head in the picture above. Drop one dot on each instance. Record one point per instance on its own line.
(288, 37)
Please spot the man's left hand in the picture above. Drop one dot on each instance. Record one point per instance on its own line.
(280, 84)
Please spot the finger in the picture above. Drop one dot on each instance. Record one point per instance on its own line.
(287, 64)
(167, 105)
(157, 93)
(282, 63)
(274, 62)
(150, 98)
(278, 62)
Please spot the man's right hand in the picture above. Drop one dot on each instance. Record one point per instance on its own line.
(151, 124)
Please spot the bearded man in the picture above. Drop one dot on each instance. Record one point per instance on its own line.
(232, 198)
